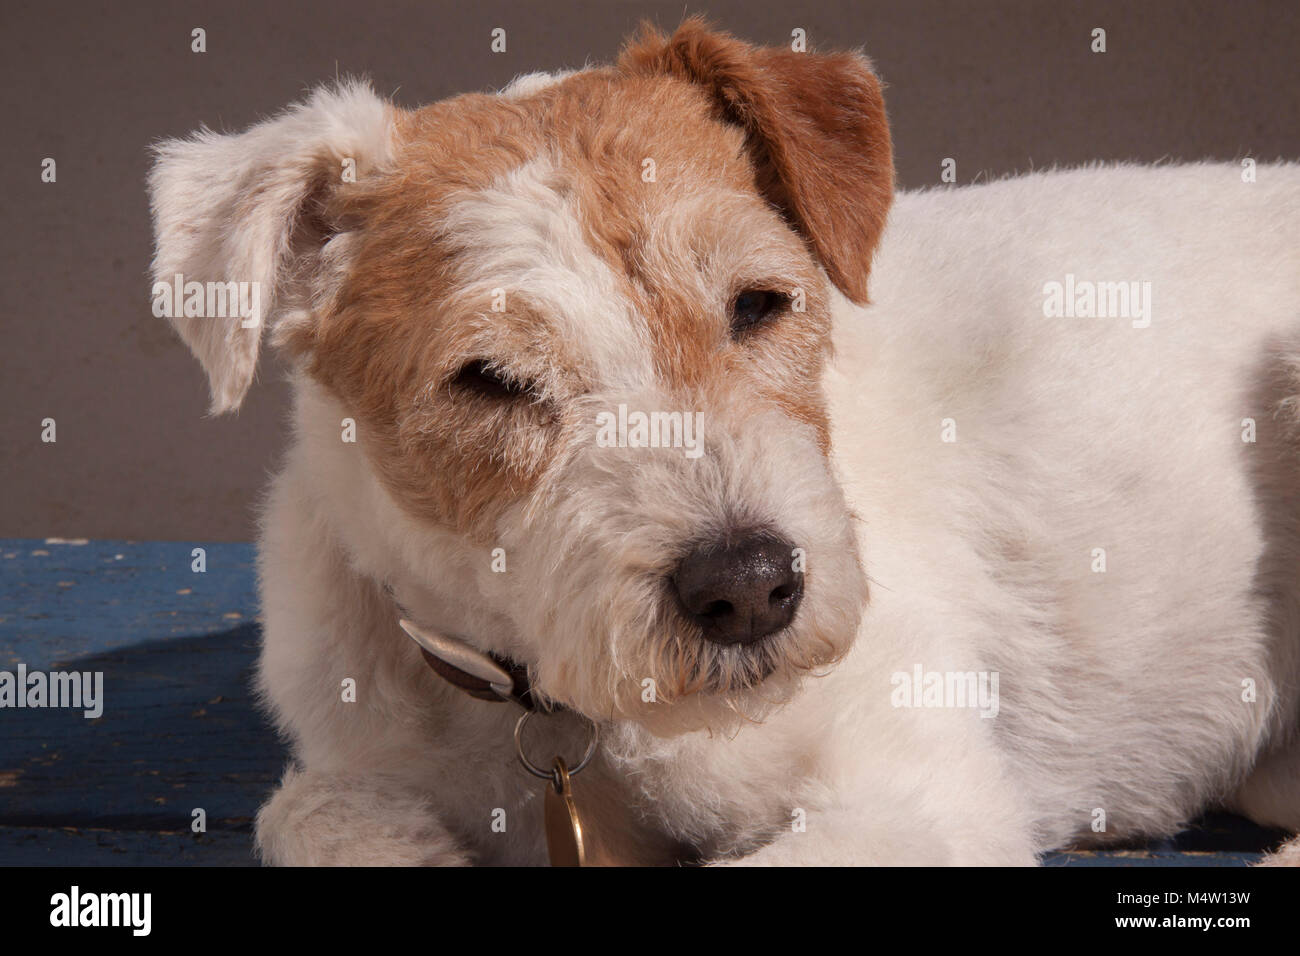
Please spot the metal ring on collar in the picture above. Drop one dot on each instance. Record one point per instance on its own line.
(537, 771)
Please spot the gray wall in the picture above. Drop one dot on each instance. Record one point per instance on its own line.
(1001, 86)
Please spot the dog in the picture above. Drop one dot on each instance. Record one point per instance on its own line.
(591, 401)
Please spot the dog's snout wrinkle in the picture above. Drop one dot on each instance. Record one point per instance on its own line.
(741, 589)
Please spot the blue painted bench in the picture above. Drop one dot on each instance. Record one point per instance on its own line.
(179, 730)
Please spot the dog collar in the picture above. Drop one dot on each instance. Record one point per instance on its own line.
(486, 676)
(481, 674)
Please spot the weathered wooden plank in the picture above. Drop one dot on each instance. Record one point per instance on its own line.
(36, 846)
(59, 602)
(179, 730)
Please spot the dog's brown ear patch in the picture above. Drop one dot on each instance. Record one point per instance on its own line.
(816, 128)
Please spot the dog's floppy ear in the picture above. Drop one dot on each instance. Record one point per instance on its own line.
(816, 128)
(239, 208)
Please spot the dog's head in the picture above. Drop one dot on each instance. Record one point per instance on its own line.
(582, 322)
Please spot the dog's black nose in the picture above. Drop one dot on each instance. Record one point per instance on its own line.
(741, 588)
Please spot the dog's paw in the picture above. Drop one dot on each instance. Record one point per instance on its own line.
(317, 820)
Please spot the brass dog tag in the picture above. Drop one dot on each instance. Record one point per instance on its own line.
(563, 825)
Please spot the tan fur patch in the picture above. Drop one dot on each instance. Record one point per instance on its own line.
(392, 336)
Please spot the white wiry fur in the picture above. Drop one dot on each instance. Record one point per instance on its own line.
(225, 209)
(1122, 692)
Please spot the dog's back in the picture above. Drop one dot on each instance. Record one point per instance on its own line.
(1080, 387)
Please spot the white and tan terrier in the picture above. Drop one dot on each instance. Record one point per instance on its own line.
(1007, 560)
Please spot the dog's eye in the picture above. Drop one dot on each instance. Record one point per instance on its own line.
(482, 378)
(754, 307)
